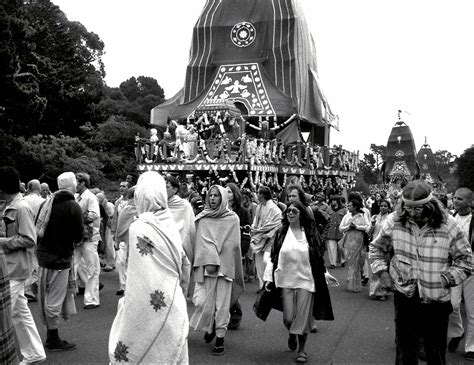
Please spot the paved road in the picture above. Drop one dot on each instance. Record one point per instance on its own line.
(362, 332)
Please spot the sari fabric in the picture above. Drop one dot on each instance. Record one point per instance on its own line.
(151, 325)
(353, 243)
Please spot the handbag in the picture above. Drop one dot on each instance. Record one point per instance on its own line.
(266, 301)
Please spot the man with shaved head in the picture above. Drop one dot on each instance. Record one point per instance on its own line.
(34, 199)
(462, 201)
(45, 192)
(33, 196)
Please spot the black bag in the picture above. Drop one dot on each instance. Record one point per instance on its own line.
(266, 301)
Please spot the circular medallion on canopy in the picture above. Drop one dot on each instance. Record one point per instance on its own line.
(243, 34)
(399, 154)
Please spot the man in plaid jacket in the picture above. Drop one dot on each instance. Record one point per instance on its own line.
(430, 254)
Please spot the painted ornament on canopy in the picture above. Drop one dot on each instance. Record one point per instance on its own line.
(242, 34)
(241, 83)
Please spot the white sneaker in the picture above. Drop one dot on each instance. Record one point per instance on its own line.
(26, 362)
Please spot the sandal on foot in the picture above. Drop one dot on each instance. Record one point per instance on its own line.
(219, 347)
(302, 357)
(292, 344)
(218, 350)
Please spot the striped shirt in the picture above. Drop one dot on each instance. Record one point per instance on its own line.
(421, 256)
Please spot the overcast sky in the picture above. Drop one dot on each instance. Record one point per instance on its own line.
(374, 57)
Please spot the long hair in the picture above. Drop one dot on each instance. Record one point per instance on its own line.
(237, 194)
(433, 210)
(306, 221)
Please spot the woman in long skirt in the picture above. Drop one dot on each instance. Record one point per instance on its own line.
(354, 225)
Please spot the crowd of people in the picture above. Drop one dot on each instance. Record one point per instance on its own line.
(220, 137)
(175, 242)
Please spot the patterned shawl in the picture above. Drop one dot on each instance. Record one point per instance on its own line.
(151, 325)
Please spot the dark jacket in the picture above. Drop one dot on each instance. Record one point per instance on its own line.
(322, 308)
(63, 230)
(244, 217)
(334, 222)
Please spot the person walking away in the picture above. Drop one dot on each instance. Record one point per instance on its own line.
(18, 246)
(151, 325)
(87, 250)
(183, 215)
(106, 246)
(462, 201)
(431, 255)
(55, 250)
(126, 217)
(217, 267)
(35, 201)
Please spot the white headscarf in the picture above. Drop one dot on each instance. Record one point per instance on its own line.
(150, 193)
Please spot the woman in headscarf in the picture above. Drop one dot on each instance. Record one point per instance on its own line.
(217, 267)
(151, 325)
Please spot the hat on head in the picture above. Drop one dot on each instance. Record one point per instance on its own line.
(416, 193)
(66, 180)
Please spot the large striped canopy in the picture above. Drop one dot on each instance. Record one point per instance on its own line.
(256, 53)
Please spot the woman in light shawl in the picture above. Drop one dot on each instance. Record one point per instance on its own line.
(217, 267)
(151, 325)
(125, 218)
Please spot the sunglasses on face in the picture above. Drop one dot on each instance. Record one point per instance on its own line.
(292, 211)
(418, 209)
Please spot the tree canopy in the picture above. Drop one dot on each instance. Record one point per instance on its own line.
(56, 112)
(52, 69)
(465, 169)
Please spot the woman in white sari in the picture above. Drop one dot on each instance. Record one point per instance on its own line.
(151, 325)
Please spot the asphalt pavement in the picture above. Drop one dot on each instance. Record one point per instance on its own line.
(362, 332)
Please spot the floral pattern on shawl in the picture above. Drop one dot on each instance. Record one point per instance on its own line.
(144, 245)
(121, 351)
(151, 325)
